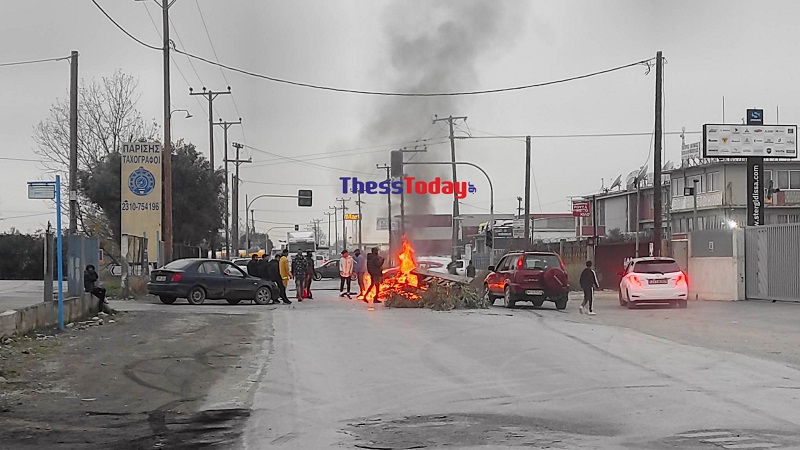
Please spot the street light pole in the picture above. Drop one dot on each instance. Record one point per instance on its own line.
(491, 190)
(694, 195)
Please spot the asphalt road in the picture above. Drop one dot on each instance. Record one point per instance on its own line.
(339, 375)
(327, 373)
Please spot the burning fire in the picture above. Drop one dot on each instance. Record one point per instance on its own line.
(405, 283)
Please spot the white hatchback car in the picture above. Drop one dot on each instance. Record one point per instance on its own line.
(653, 280)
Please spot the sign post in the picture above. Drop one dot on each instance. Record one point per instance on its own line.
(48, 190)
(753, 141)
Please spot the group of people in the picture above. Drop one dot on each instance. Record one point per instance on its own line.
(360, 265)
(280, 271)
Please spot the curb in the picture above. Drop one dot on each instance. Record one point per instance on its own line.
(45, 315)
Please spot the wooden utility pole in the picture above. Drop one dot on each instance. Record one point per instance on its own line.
(344, 221)
(657, 200)
(528, 232)
(329, 214)
(210, 96)
(225, 126)
(73, 143)
(450, 120)
(166, 158)
(360, 237)
(388, 168)
(235, 210)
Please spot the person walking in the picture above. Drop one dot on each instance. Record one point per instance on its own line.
(375, 269)
(299, 271)
(274, 274)
(471, 269)
(310, 273)
(252, 266)
(588, 284)
(360, 267)
(286, 271)
(345, 272)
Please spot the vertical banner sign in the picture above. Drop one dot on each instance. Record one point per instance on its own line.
(141, 193)
(755, 177)
(755, 191)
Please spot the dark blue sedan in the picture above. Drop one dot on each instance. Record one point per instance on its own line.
(199, 279)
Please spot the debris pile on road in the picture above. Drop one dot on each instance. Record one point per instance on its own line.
(97, 320)
(409, 286)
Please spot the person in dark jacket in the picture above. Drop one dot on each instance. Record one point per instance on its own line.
(299, 272)
(252, 266)
(310, 273)
(375, 270)
(588, 284)
(90, 278)
(471, 269)
(274, 274)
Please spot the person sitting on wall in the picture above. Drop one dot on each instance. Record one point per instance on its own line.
(90, 278)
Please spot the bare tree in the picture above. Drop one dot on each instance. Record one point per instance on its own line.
(107, 116)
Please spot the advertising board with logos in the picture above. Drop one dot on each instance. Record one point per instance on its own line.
(743, 141)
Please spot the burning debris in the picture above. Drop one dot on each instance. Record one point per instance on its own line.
(408, 286)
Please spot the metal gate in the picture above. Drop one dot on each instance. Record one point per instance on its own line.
(771, 262)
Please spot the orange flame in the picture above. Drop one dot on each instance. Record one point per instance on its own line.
(405, 283)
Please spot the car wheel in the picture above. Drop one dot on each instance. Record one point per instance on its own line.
(682, 303)
(233, 301)
(621, 301)
(167, 300)
(317, 276)
(561, 302)
(263, 295)
(507, 301)
(197, 295)
(537, 303)
(487, 295)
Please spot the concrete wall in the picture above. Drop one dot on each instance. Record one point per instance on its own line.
(713, 277)
(45, 315)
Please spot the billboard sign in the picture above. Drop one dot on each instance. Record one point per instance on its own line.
(581, 208)
(352, 216)
(749, 141)
(690, 151)
(141, 193)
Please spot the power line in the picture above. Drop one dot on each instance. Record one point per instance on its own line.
(25, 216)
(7, 158)
(33, 61)
(300, 161)
(289, 184)
(382, 93)
(520, 137)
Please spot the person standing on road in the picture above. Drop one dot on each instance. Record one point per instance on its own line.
(274, 271)
(360, 267)
(345, 272)
(375, 269)
(309, 273)
(299, 271)
(286, 271)
(252, 266)
(588, 284)
(471, 269)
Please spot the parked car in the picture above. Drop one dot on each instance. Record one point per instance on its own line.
(199, 279)
(330, 270)
(533, 277)
(653, 280)
(242, 263)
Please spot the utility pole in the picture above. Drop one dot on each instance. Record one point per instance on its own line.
(360, 237)
(329, 214)
(336, 226)
(657, 201)
(528, 231)
(316, 231)
(388, 168)
(210, 96)
(519, 207)
(225, 126)
(237, 163)
(594, 227)
(73, 143)
(344, 221)
(166, 161)
(450, 120)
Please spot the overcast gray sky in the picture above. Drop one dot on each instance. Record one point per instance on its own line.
(737, 49)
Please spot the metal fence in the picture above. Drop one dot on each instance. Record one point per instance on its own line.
(771, 262)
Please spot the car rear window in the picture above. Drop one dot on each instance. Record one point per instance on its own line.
(656, 267)
(541, 262)
(179, 264)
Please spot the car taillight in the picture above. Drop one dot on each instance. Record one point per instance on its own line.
(635, 280)
(564, 268)
(520, 262)
(176, 278)
(681, 280)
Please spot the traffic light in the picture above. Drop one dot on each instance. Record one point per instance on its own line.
(489, 242)
(297, 228)
(304, 197)
(397, 164)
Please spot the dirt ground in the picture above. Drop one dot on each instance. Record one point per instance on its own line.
(140, 380)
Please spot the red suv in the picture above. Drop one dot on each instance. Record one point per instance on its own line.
(533, 277)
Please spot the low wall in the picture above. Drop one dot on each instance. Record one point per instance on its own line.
(714, 279)
(45, 315)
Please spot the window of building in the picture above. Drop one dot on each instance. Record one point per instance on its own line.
(794, 179)
(712, 182)
(788, 179)
(767, 178)
(677, 186)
